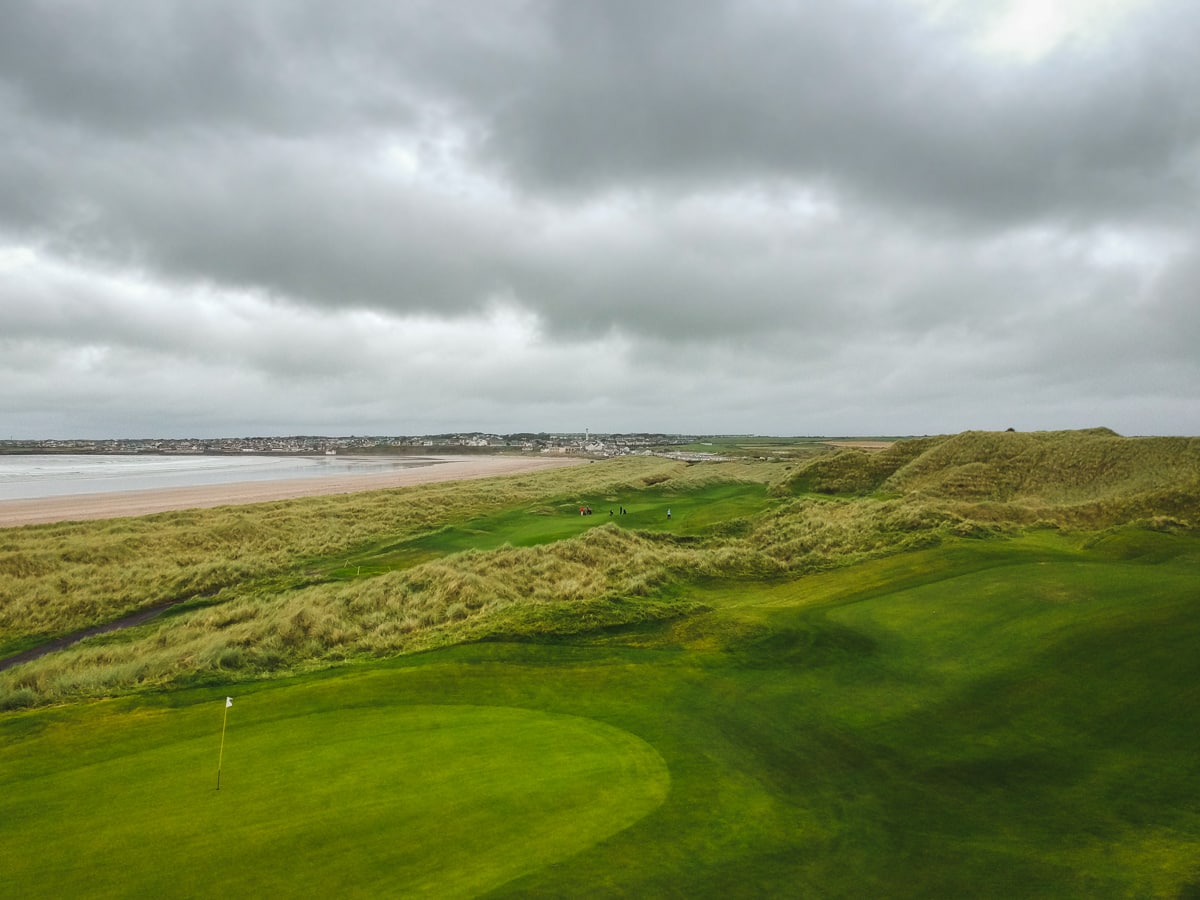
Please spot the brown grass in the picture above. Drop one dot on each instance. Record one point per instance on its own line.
(265, 620)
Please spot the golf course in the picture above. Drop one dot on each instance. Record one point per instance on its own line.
(953, 666)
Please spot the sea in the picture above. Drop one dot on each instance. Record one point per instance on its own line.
(30, 477)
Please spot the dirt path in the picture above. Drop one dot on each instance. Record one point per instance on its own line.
(137, 618)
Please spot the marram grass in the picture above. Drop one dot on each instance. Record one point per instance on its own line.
(55, 579)
(1000, 718)
(923, 689)
(289, 586)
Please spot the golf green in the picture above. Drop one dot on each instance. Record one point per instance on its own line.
(326, 789)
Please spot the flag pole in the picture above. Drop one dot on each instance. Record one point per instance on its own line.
(221, 754)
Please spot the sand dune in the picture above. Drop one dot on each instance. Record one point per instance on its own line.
(140, 503)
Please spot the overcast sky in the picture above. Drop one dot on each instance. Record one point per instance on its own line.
(849, 217)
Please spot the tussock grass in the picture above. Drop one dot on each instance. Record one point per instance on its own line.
(854, 471)
(314, 582)
(1002, 719)
(935, 689)
(1076, 479)
(55, 579)
(1054, 468)
(599, 578)
(809, 535)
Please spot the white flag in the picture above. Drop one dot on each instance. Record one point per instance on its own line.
(228, 702)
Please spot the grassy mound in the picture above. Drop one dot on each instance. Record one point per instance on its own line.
(55, 579)
(854, 471)
(1063, 467)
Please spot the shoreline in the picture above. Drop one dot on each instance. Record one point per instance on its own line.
(120, 504)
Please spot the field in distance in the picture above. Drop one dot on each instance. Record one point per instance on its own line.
(956, 666)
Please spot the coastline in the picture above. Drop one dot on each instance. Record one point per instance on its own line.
(79, 507)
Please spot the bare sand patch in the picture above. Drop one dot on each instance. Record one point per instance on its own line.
(140, 503)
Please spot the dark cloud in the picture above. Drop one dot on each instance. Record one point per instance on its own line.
(155, 67)
(862, 94)
(520, 210)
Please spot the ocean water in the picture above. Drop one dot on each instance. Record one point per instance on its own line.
(31, 477)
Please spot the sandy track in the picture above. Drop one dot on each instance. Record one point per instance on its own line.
(140, 503)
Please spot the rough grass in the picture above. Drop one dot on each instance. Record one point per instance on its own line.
(290, 586)
(1053, 468)
(1048, 468)
(55, 579)
(997, 718)
(854, 471)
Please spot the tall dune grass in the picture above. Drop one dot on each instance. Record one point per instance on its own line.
(55, 579)
(1052, 468)
(266, 614)
(606, 576)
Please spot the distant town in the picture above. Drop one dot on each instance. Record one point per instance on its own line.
(585, 443)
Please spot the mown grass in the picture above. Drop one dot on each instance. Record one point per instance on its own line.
(962, 736)
(999, 718)
(326, 789)
(692, 512)
(900, 681)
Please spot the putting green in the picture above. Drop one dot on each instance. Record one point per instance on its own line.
(315, 798)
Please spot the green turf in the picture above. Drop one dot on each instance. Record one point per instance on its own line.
(1011, 718)
(328, 789)
(693, 512)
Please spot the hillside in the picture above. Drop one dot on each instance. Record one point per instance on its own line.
(854, 471)
(1049, 467)
(273, 589)
(1090, 478)
(966, 669)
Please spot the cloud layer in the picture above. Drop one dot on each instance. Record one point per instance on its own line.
(862, 217)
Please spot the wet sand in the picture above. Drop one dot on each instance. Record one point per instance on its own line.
(139, 503)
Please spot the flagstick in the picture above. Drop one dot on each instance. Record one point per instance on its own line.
(221, 755)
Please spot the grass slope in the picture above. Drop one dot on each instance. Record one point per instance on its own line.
(1017, 725)
(55, 579)
(996, 719)
(937, 679)
(515, 561)
(1050, 467)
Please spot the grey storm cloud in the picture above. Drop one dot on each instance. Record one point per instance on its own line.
(859, 93)
(848, 207)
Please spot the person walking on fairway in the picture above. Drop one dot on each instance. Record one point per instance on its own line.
(668, 512)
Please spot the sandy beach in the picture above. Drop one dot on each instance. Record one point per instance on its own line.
(139, 503)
